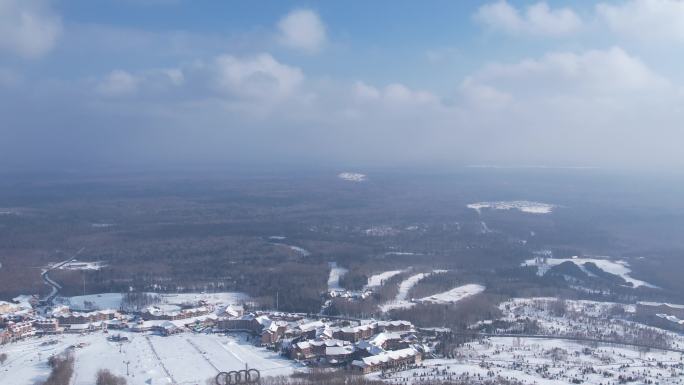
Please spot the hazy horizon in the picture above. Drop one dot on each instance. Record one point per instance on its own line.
(154, 82)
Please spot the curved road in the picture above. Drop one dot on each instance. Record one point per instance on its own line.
(50, 282)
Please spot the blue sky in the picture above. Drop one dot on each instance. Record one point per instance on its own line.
(345, 82)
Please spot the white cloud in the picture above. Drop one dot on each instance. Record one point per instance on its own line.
(587, 107)
(364, 92)
(538, 19)
(483, 95)
(642, 19)
(118, 83)
(302, 30)
(28, 28)
(590, 73)
(258, 76)
(395, 93)
(592, 107)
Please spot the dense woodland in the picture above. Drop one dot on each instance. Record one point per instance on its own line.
(209, 232)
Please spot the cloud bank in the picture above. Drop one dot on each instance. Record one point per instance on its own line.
(537, 19)
(569, 106)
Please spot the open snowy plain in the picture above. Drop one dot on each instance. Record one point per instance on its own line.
(182, 359)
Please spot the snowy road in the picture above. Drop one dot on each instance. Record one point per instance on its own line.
(55, 287)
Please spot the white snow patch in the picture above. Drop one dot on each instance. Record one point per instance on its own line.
(82, 265)
(113, 300)
(454, 295)
(352, 176)
(619, 267)
(336, 273)
(400, 301)
(299, 250)
(400, 253)
(377, 280)
(524, 206)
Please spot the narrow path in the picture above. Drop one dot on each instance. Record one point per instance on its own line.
(229, 351)
(161, 363)
(203, 355)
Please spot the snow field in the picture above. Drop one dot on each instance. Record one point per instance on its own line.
(336, 273)
(377, 280)
(188, 358)
(454, 295)
(352, 176)
(619, 268)
(542, 362)
(524, 206)
(113, 300)
(400, 301)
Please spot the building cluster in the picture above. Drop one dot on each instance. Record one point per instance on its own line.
(361, 345)
(350, 294)
(332, 342)
(21, 320)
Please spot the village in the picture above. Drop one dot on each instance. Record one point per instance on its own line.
(392, 350)
(155, 334)
(364, 346)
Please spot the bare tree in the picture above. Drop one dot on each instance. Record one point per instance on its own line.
(558, 307)
(62, 369)
(105, 377)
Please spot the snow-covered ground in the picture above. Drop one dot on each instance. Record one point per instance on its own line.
(524, 206)
(546, 362)
(401, 253)
(454, 295)
(182, 359)
(299, 250)
(336, 273)
(586, 319)
(536, 361)
(377, 280)
(619, 268)
(82, 265)
(381, 231)
(401, 301)
(113, 300)
(352, 176)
